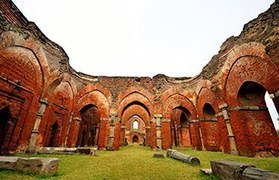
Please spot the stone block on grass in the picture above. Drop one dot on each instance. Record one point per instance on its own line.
(7, 162)
(158, 155)
(183, 157)
(87, 150)
(42, 166)
(224, 170)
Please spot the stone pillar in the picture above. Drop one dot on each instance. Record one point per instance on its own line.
(223, 108)
(68, 129)
(275, 98)
(35, 131)
(201, 136)
(96, 135)
(158, 120)
(111, 132)
(176, 134)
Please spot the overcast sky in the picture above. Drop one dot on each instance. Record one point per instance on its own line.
(141, 37)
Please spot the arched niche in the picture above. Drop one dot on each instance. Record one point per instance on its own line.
(89, 128)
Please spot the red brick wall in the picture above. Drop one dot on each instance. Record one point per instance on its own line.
(34, 68)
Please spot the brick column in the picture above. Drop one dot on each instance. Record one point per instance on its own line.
(122, 135)
(75, 132)
(166, 133)
(147, 136)
(223, 108)
(34, 134)
(158, 120)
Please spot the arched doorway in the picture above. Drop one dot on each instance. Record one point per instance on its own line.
(53, 136)
(210, 128)
(259, 128)
(135, 121)
(89, 129)
(180, 120)
(135, 139)
(5, 117)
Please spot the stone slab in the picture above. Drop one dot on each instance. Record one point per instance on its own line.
(225, 170)
(56, 150)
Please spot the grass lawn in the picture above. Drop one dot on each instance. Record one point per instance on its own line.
(135, 162)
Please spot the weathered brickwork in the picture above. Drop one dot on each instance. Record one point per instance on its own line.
(45, 102)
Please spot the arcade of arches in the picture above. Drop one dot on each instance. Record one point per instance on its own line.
(45, 102)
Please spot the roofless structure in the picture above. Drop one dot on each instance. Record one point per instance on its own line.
(45, 102)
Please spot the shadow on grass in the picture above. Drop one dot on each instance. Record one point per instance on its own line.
(136, 162)
(6, 174)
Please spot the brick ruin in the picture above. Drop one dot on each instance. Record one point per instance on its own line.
(45, 102)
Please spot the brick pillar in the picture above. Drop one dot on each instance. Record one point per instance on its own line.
(117, 130)
(158, 120)
(103, 133)
(76, 133)
(166, 133)
(223, 108)
(122, 135)
(35, 131)
(147, 136)
(111, 132)
(68, 129)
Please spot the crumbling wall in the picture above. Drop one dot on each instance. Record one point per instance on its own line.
(39, 88)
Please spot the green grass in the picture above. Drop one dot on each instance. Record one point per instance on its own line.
(134, 162)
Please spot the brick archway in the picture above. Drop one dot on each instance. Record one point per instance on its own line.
(175, 101)
(21, 75)
(99, 97)
(252, 123)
